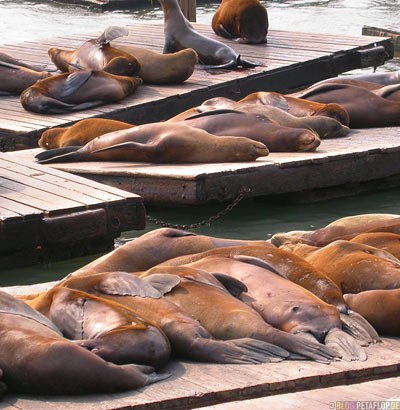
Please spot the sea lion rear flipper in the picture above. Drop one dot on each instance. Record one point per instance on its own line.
(74, 82)
(344, 346)
(223, 32)
(163, 282)
(358, 327)
(248, 64)
(257, 262)
(111, 33)
(233, 286)
(386, 91)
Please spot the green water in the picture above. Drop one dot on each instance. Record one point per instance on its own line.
(250, 219)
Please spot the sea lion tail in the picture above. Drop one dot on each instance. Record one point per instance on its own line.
(65, 154)
(344, 345)
(247, 64)
(358, 327)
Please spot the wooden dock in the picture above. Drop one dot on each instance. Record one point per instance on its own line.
(46, 214)
(291, 60)
(392, 31)
(358, 162)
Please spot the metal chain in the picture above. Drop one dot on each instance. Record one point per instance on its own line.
(241, 195)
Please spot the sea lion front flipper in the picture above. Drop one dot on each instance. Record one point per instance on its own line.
(233, 286)
(257, 262)
(74, 82)
(247, 64)
(344, 346)
(223, 32)
(386, 91)
(51, 153)
(163, 282)
(111, 33)
(124, 284)
(358, 327)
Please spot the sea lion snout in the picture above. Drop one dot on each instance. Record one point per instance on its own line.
(309, 141)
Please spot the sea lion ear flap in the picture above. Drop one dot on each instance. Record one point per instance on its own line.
(257, 262)
(233, 286)
(163, 282)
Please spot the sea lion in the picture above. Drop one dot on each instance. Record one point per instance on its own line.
(187, 337)
(97, 54)
(36, 359)
(256, 127)
(354, 267)
(156, 68)
(160, 143)
(389, 242)
(5, 58)
(79, 90)
(16, 78)
(80, 133)
(180, 34)
(112, 331)
(380, 307)
(365, 108)
(383, 78)
(244, 20)
(204, 298)
(283, 304)
(155, 247)
(298, 107)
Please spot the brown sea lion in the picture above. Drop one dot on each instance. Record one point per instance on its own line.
(11, 60)
(112, 331)
(155, 247)
(354, 267)
(256, 127)
(297, 106)
(244, 20)
(380, 307)
(365, 108)
(283, 304)
(156, 68)
(187, 337)
(36, 359)
(162, 143)
(97, 54)
(180, 34)
(203, 298)
(383, 78)
(79, 90)
(389, 242)
(80, 133)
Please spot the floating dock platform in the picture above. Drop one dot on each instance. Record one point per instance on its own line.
(392, 31)
(290, 60)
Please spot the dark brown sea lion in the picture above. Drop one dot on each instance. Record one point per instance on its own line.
(112, 331)
(97, 54)
(156, 68)
(389, 242)
(187, 337)
(380, 307)
(354, 267)
(16, 78)
(180, 34)
(256, 127)
(245, 20)
(155, 247)
(11, 60)
(297, 106)
(203, 298)
(36, 359)
(365, 108)
(80, 133)
(162, 143)
(79, 90)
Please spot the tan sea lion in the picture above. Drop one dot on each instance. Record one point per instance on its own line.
(180, 34)
(380, 307)
(79, 90)
(297, 106)
(203, 298)
(389, 242)
(97, 54)
(187, 337)
(112, 331)
(244, 20)
(80, 133)
(36, 359)
(156, 68)
(256, 127)
(160, 143)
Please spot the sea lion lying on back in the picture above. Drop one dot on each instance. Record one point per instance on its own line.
(97, 54)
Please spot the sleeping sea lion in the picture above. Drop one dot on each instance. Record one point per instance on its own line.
(389, 242)
(256, 127)
(79, 90)
(156, 68)
(80, 133)
(180, 34)
(187, 337)
(160, 143)
(36, 359)
(203, 298)
(112, 331)
(297, 106)
(97, 54)
(244, 20)
(383, 78)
